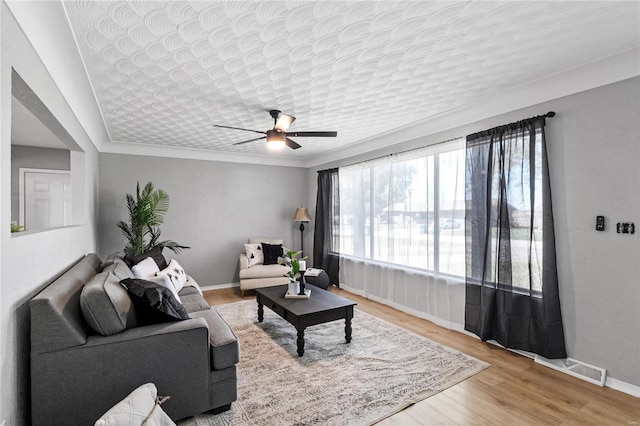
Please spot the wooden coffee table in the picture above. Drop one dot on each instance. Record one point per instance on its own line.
(321, 307)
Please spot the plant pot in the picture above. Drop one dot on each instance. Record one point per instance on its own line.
(294, 288)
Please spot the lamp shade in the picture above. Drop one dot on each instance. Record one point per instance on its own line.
(301, 215)
(275, 139)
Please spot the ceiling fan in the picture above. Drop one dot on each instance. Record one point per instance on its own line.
(278, 137)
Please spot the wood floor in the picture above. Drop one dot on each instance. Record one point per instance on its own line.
(513, 391)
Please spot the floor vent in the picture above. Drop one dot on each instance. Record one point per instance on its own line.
(575, 368)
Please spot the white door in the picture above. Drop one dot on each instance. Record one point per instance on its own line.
(47, 199)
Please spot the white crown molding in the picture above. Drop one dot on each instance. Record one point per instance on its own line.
(198, 154)
(600, 73)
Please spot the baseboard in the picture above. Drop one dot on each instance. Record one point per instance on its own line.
(610, 382)
(218, 286)
(623, 387)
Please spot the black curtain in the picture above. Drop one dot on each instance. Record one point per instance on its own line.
(326, 200)
(511, 280)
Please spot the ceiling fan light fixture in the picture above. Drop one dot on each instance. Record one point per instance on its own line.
(275, 140)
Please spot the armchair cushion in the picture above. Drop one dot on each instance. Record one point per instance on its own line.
(264, 271)
(266, 240)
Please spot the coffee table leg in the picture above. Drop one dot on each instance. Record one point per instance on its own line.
(347, 324)
(260, 312)
(300, 342)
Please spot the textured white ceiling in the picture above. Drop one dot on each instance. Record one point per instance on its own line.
(165, 72)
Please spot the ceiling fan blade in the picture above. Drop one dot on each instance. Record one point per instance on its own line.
(239, 128)
(291, 144)
(283, 122)
(313, 134)
(250, 140)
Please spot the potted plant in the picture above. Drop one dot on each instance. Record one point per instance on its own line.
(146, 214)
(290, 258)
(16, 228)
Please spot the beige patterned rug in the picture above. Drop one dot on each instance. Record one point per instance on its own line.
(384, 369)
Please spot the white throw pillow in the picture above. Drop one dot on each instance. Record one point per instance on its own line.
(176, 274)
(158, 418)
(133, 410)
(145, 269)
(165, 281)
(254, 254)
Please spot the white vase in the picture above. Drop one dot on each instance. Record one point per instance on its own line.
(294, 288)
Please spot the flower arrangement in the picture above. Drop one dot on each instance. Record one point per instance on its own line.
(290, 258)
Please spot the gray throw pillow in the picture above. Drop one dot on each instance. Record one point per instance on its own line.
(106, 306)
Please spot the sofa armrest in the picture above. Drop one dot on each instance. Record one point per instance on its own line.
(244, 261)
(77, 385)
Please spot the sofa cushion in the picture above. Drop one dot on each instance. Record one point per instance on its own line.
(225, 350)
(264, 271)
(106, 306)
(153, 302)
(112, 258)
(191, 283)
(194, 302)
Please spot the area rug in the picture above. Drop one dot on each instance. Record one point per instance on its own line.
(384, 369)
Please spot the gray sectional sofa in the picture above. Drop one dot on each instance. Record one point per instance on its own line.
(88, 351)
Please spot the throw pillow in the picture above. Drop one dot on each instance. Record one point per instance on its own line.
(254, 254)
(133, 410)
(165, 281)
(106, 306)
(158, 418)
(155, 253)
(146, 268)
(153, 302)
(271, 253)
(176, 274)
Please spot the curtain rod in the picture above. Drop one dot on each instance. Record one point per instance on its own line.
(394, 153)
(475, 135)
(550, 114)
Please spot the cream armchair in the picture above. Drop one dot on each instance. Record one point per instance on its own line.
(258, 276)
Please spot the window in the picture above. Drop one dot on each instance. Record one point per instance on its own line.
(407, 209)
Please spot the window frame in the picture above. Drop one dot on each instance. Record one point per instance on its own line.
(434, 151)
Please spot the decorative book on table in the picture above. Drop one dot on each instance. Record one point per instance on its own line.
(306, 295)
(312, 272)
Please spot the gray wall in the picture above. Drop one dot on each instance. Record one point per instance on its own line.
(215, 207)
(36, 158)
(594, 153)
